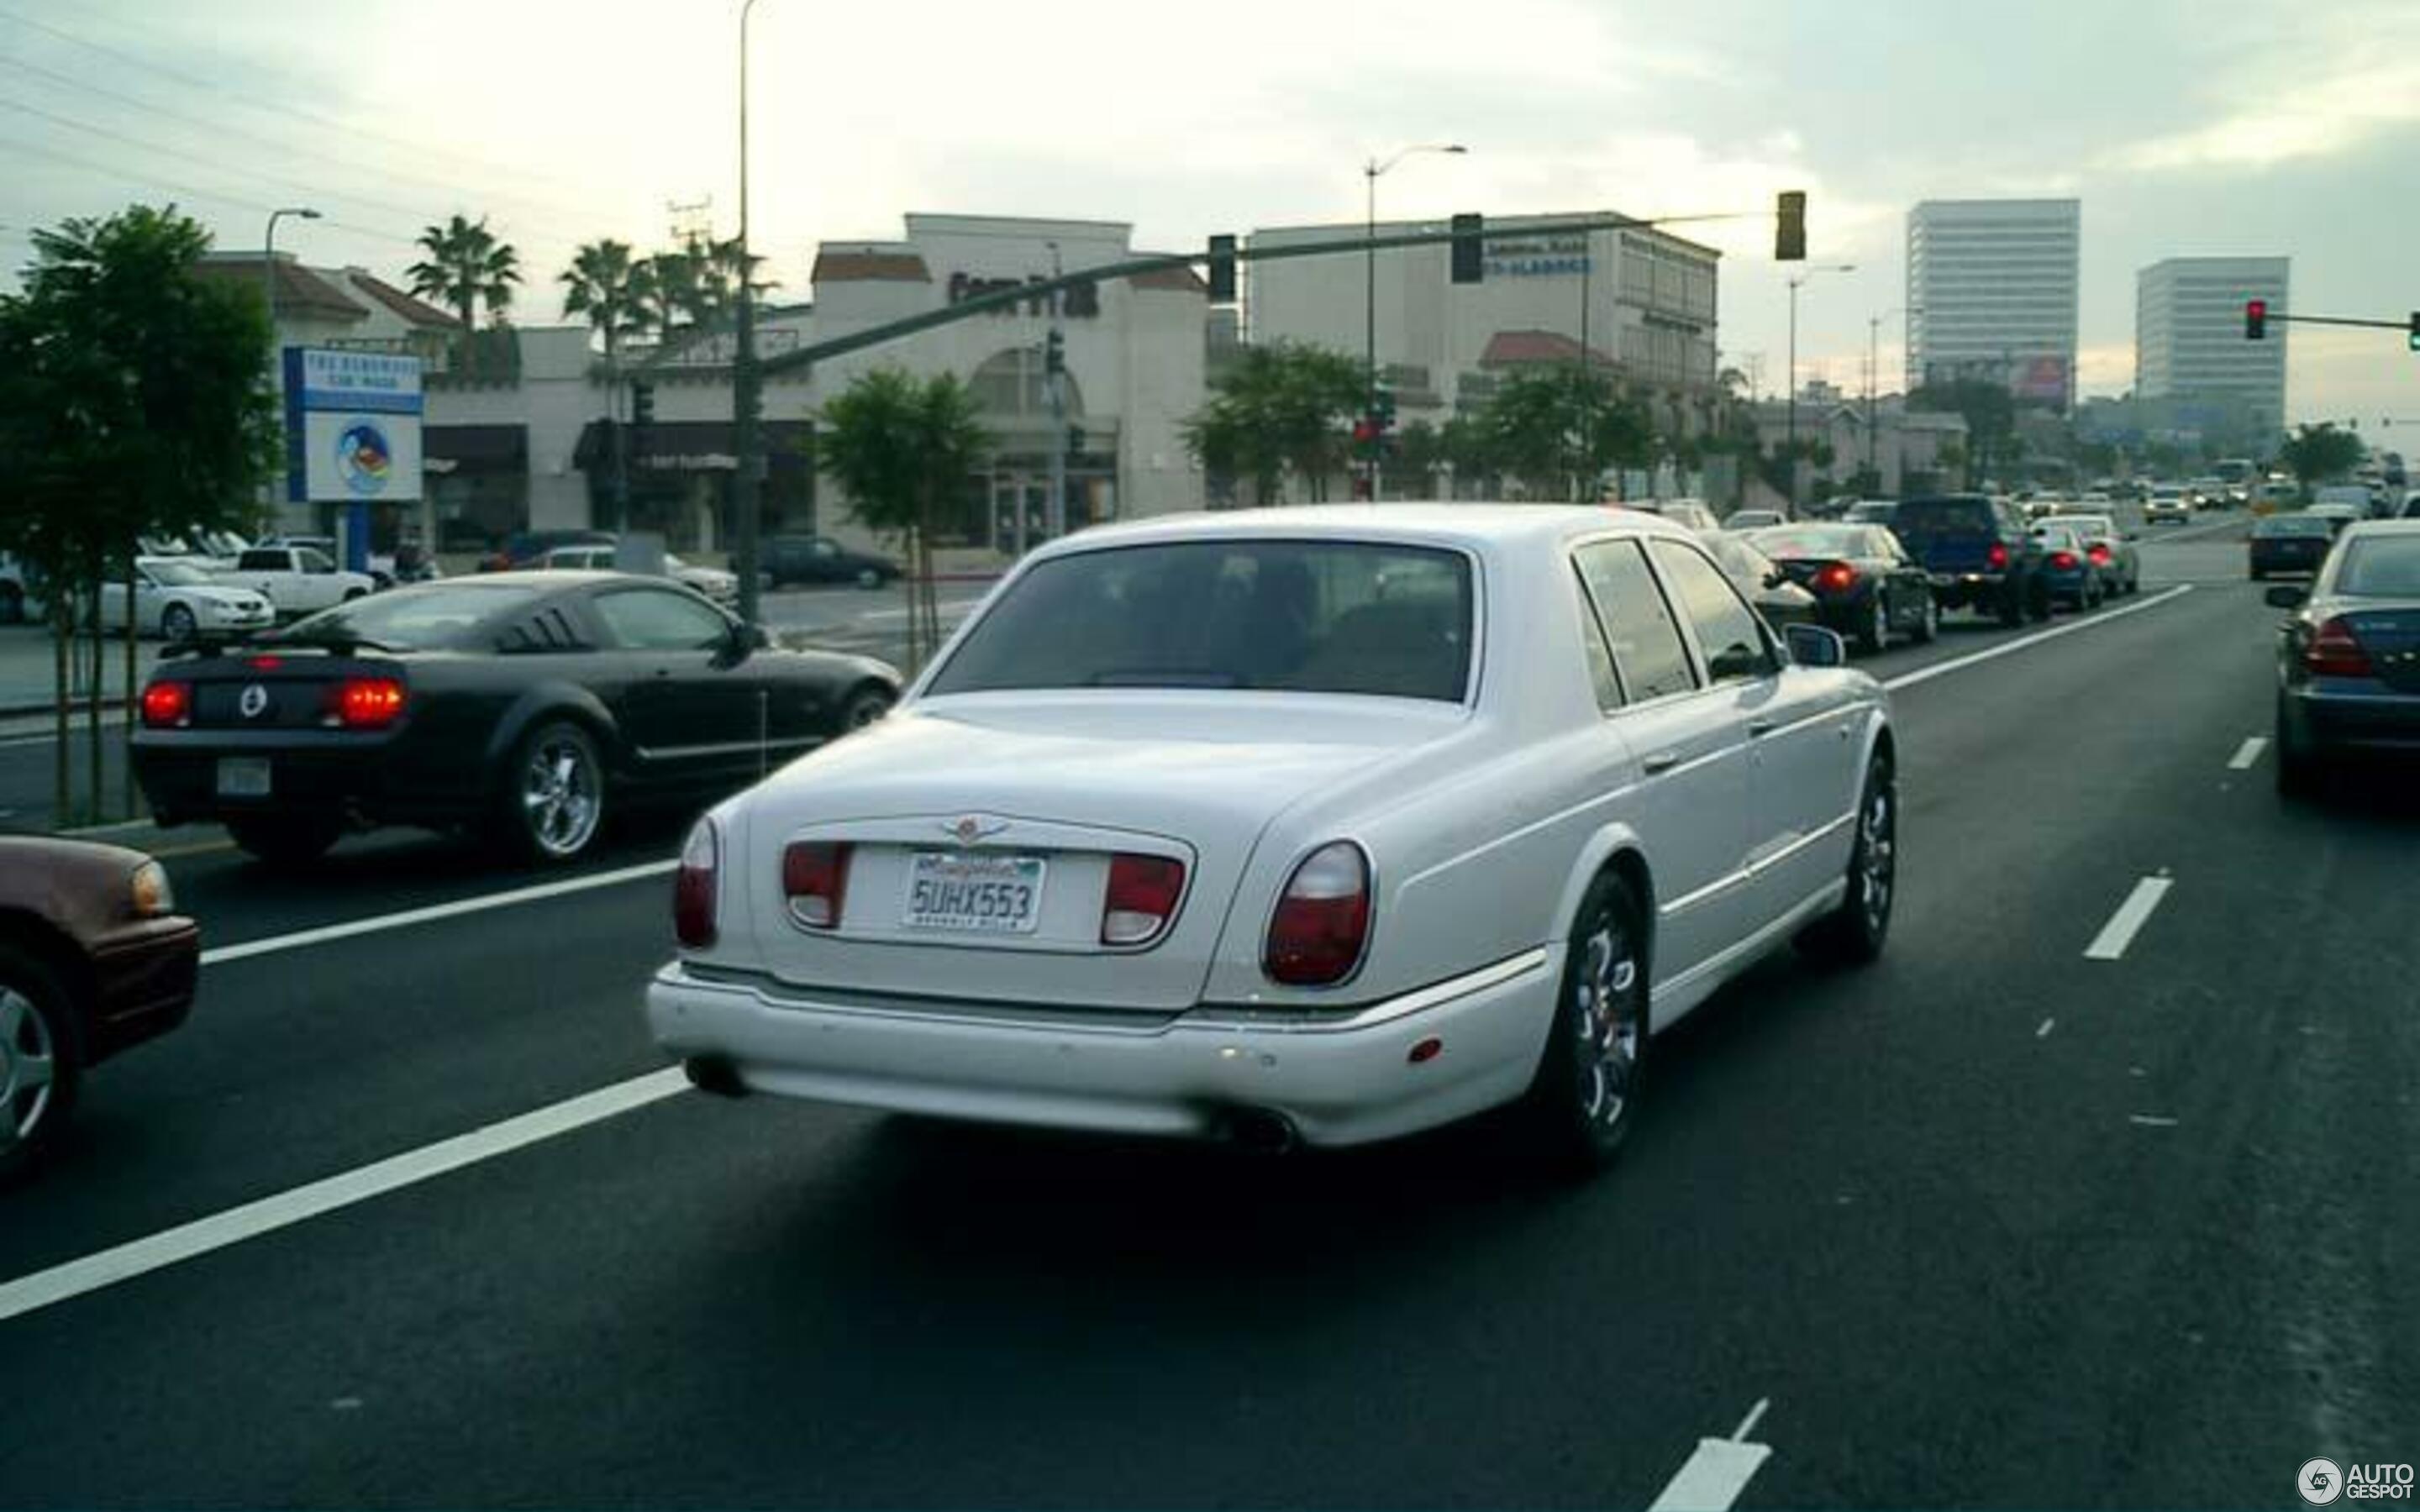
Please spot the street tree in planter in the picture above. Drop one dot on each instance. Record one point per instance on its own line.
(1281, 409)
(899, 446)
(131, 404)
(1557, 428)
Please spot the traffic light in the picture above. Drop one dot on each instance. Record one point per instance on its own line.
(1365, 432)
(2413, 339)
(1468, 248)
(1385, 411)
(1789, 227)
(642, 405)
(1054, 353)
(2256, 320)
(1222, 269)
(1075, 439)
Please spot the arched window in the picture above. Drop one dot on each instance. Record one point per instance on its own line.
(1009, 386)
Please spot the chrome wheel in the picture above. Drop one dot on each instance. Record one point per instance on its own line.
(1877, 858)
(1606, 1022)
(562, 792)
(176, 624)
(28, 1070)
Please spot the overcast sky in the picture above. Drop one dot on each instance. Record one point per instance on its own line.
(2185, 126)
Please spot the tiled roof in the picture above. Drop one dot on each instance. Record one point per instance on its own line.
(417, 311)
(841, 266)
(299, 291)
(1524, 349)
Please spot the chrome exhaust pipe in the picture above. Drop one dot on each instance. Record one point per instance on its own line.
(1262, 1131)
(714, 1074)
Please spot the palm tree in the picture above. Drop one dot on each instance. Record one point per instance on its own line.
(697, 286)
(466, 267)
(604, 283)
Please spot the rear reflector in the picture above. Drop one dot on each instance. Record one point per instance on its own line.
(167, 703)
(815, 879)
(1141, 898)
(1323, 920)
(368, 702)
(2335, 652)
(695, 887)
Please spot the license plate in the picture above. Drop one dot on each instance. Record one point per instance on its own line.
(975, 894)
(243, 777)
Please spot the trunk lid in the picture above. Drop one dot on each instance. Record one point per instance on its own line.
(1041, 791)
(292, 688)
(2390, 635)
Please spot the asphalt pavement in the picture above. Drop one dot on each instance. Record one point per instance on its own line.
(2043, 1209)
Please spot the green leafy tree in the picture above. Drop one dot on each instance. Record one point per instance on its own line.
(466, 267)
(900, 446)
(131, 404)
(1281, 409)
(2321, 450)
(1990, 417)
(1557, 429)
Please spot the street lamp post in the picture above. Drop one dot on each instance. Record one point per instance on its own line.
(745, 446)
(1369, 173)
(1873, 380)
(1790, 446)
(269, 302)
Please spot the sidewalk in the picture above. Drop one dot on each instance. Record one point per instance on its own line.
(28, 679)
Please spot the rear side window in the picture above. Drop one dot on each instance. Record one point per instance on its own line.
(1728, 629)
(1639, 624)
(1298, 616)
(1599, 655)
(2384, 567)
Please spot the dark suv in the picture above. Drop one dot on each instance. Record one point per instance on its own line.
(1979, 553)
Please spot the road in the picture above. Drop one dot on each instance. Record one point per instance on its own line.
(2026, 1215)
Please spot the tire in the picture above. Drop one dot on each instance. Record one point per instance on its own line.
(1873, 636)
(41, 1059)
(1583, 1097)
(554, 793)
(2299, 769)
(2038, 606)
(284, 843)
(1928, 627)
(176, 624)
(863, 707)
(1854, 934)
(2012, 606)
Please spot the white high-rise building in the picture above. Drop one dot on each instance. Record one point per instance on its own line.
(2189, 341)
(1991, 294)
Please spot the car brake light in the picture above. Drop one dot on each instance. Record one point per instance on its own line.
(1997, 557)
(2063, 561)
(167, 703)
(2100, 555)
(368, 702)
(1141, 898)
(1836, 578)
(1322, 921)
(2334, 651)
(814, 878)
(695, 887)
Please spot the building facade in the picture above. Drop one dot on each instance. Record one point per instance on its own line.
(1637, 304)
(2190, 347)
(1992, 292)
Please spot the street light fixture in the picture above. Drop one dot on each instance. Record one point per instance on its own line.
(269, 262)
(1370, 173)
(1874, 373)
(1790, 446)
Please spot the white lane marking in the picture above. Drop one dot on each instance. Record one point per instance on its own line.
(2247, 753)
(2146, 1120)
(2110, 944)
(2107, 616)
(410, 916)
(1717, 1471)
(119, 829)
(2043, 1033)
(172, 1247)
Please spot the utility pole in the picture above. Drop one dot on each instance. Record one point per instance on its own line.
(745, 485)
(1055, 518)
(1370, 171)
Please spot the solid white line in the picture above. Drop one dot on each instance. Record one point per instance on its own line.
(233, 1226)
(2247, 753)
(2110, 944)
(1713, 1478)
(2145, 1120)
(2110, 616)
(410, 916)
(2043, 1033)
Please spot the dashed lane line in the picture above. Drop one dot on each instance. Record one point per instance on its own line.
(1720, 1469)
(2110, 944)
(2247, 753)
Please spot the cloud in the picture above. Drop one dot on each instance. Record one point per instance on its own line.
(2318, 119)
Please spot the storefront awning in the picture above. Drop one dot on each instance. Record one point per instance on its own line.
(695, 446)
(470, 451)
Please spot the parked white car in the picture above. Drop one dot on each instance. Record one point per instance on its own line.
(296, 579)
(179, 601)
(1320, 824)
(713, 582)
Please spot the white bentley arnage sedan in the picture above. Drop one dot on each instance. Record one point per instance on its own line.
(1321, 824)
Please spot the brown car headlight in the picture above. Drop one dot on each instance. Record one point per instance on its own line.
(150, 893)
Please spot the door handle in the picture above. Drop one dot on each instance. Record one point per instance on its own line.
(1758, 727)
(1662, 761)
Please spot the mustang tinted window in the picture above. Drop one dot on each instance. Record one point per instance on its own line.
(1301, 616)
(1727, 629)
(650, 619)
(1645, 637)
(438, 614)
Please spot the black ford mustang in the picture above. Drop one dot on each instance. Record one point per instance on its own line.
(523, 706)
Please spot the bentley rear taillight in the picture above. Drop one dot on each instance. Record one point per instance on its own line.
(815, 879)
(1141, 899)
(1322, 922)
(696, 886)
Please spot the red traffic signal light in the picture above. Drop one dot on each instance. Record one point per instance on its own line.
(2256, 320)
(1365, 430)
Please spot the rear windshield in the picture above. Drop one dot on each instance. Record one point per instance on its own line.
(2293, 525)
(2084, 524)
(422, 618)
(1945, 516)
(1300, 616)
(2380, 568)
(1811, 541)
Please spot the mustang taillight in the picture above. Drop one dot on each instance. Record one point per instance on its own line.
(2334, 651)
(2063, 561)
(696, 886)
(2100, 555)
(167, 703)
(1997, 557)
(368, 702)
(1836, 578)
(1141, 898)
(1322, 921)
(814, 878)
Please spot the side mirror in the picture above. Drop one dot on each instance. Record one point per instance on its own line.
(2287, 595)
(1812, 645)
(1775, 579)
